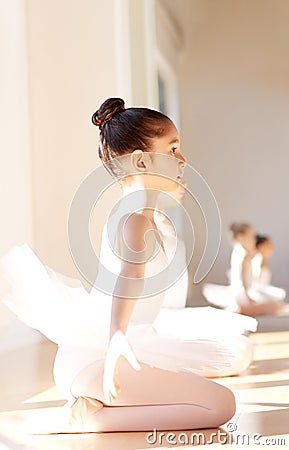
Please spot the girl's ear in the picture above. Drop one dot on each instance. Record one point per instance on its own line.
(139, 161)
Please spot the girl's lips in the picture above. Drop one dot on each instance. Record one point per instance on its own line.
(181, 180)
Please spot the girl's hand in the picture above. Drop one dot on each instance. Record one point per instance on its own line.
(118, 348)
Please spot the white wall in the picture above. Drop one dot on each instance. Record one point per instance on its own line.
(15, 171)
(71, 54)
(234, 89)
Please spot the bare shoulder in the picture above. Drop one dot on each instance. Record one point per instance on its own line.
(132, 229)
(247, 261)
(135, 222)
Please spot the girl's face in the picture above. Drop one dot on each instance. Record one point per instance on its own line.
(162, 168)
(266, 248)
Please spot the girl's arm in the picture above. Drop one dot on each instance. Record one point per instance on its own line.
(246, 274)
(134, 254)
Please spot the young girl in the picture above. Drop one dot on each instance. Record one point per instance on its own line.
(262, 274)
(121, 374)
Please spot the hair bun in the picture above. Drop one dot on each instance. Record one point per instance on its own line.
(238, 228)
(107, 110)
(234, 227)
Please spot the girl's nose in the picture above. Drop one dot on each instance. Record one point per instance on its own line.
(183, 161)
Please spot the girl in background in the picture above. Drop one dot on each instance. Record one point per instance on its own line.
(262, 274)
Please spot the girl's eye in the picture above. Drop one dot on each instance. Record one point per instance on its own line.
(173, 150)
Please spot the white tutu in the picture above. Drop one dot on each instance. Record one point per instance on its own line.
(202, 323)
(56, 305)
(60, 307)
(220, 296)
(200, 340)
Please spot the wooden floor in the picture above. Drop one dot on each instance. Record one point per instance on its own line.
(262, 393)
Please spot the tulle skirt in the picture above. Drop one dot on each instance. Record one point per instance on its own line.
(229, 299)
(201, 340)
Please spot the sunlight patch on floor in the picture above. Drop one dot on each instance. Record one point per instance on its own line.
(50, 394)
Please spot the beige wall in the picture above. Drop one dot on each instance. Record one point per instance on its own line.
(234, 90)
(71, 71)
(15, 172)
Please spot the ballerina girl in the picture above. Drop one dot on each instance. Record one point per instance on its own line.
(117, 371)
(251, 298)
(261, 274)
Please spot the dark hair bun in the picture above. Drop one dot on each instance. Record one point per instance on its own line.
(107, 110)
(233, 228)
(260, 239)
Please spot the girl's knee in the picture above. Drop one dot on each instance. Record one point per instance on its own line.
(228, 407)
(225, 406)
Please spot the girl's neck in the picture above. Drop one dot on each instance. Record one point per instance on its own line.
(147, 200)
